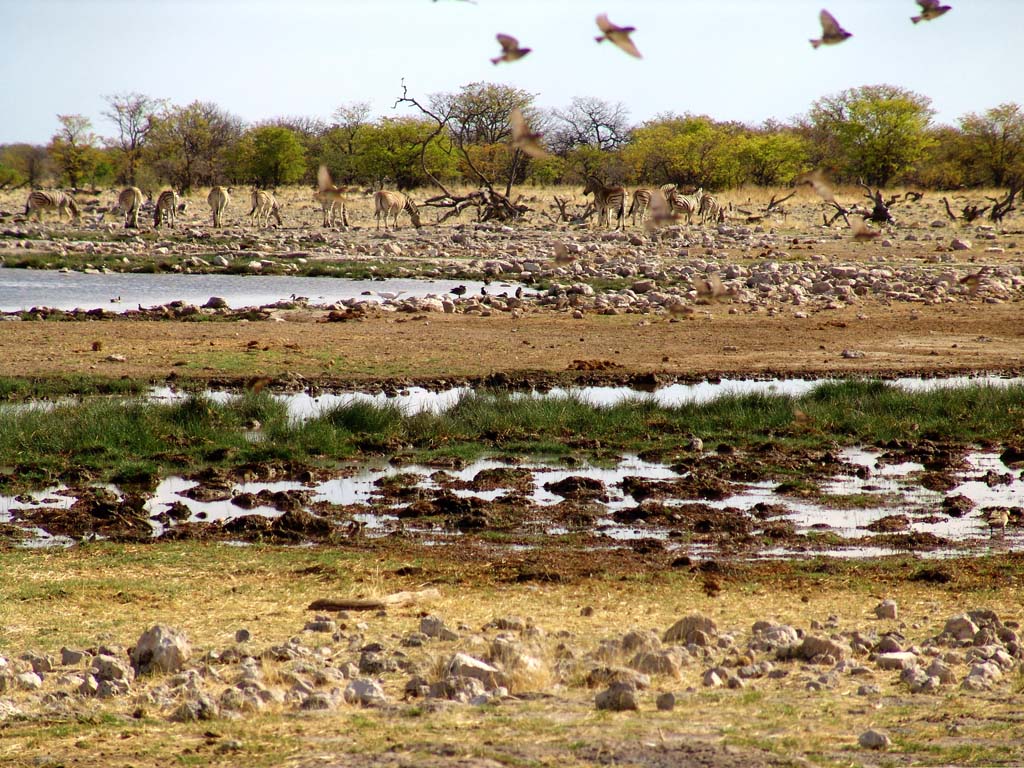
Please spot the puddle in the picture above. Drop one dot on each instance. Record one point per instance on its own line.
(896, 486)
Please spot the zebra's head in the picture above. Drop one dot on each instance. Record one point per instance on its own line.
(593, 185)
(414, 212)
(73, 207)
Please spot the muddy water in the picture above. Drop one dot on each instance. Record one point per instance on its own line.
(22, 289)
(896, 487)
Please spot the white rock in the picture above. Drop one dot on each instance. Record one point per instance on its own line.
(160, 649)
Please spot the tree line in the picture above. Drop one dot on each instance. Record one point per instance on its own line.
(881, 134)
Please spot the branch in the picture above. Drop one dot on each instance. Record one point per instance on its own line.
(441, 124)
(773, 202)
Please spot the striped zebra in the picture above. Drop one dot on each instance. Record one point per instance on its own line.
(391, 203)
(329, 203)
(166, 208)
(605, 199)
(710, 210)
(39, 201)
(128, 204)
(641, 202)
(685, 204)
(264, 205)
(218, 199)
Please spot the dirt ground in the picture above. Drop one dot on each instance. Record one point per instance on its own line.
(894, 340)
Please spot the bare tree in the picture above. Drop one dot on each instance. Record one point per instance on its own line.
(591, 122)
(133, 115)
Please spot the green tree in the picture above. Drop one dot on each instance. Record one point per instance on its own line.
(26, 164)
(189, 146)
(773, 155)
(689, 150)
(994, 143)
(878, 131)
(269, 156)
(388, 152)
(73, 148)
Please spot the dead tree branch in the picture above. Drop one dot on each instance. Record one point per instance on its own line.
(880, 208)
(1001, 208)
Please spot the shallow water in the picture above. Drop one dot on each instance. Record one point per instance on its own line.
(22, 289)
(895, 485)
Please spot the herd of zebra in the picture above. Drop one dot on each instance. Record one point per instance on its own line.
(130, 202)
(676, 204)
(387, 205)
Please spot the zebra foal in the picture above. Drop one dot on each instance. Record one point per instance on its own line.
(39, 201)
(166, 208)
(607, 198)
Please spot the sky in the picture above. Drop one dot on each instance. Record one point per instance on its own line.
(744, 60)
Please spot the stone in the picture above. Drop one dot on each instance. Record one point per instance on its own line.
(666, 663)
(199, 706)
(608, 675)
(873, 739)
(868, 690)
(105, 667)
(71, 658)
(365, 692)
(28, 681)
(215, 302)
(666, 702)
(464, 665)
(959, 244)
(618, 697)
(887, 609)
(960, 627)
(242, 636)
(942, 671)
(814, 647)
(897, 660)
(695, 628)
(160, 649)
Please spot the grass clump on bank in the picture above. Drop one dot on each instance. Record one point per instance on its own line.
(135, 438)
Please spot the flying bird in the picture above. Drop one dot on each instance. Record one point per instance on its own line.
(816, 180)
(522, 138)
(562, 255)
(930, 9)
(831, 32)
(510, 50)
(661, 212)
(618, 35)
(860, 229)
(711, 289)
(973, 280)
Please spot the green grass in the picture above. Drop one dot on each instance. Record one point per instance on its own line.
(136, 442)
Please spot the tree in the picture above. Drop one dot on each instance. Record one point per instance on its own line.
(133, 115)
(591, 122)
(269, 156)
(188, 146)
(338, 148)
(73, 148)
(773, 155)
(30, 163)
(388, 151)
(687, 150)
(994, 143)
(879, 131)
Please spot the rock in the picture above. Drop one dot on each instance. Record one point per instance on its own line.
(106, 667)
(868, 690)
(28, 681)
(242, 636)
(433, 626)
(873, 739)
(666, 702)
(942, 671)
(898, 660)
(215, 302)
(198, 706)
(695, 628)
(365, 692)
(887, 609)
(70, 658)
(959, 244)
(609, 675)
(712, 679)
(665, 663)
(618, 697)
(160, 649)
(464, 665)
(822, 648)
(960, 627)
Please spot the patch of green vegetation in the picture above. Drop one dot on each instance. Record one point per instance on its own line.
(16, 388)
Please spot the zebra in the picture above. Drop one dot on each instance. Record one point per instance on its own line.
(606, 198)
(641, 202)
(166, 208)
(39, 201)
(128, 203)
(329, 202)
(264, 205)
(218, 199)
(686, 204)
(393, 203)
(711, 211)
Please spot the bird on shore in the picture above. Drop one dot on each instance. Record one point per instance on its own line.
(930, 9)
(616, 34)
(510, 50)
(831, 32)
(816, 180)
(522, 138)
(861, 232)
(998, 518)
(458, 290)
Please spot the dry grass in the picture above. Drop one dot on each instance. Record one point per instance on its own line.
(111, 593)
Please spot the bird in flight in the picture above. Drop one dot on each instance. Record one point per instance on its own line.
(510, 50)
(661, 212)
(522, 138)
(711, 289)
(831, 32)
(973, 280)
(816, 180)
(562, 255)
(860, 229)
(930, 9)
(618, 35)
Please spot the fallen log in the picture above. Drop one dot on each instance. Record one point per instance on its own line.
(396, 600)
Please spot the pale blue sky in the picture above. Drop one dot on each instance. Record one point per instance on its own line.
(745, 60)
